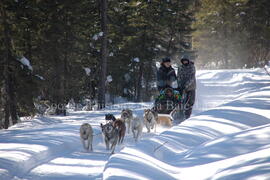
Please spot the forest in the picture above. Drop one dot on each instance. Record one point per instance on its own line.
(100, 51)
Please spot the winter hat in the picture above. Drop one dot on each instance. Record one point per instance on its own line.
(166, 59)
(168, 89)
(185, 58)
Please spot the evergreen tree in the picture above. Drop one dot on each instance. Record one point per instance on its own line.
(70, 50)
(232, 33)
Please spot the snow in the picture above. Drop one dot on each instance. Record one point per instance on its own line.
(157, 64)
(109, 78)
(100, 34)
(209, 143)
(242, 13)
(136, 59)
(111, 54)
(125, 91)
(87, 71)
(138, 3)
(226, 138)
(96, 36)
(40, 77)
(127, 77)
(26, 62)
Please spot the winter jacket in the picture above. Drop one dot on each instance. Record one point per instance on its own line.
(165, 104)
(186, 77)
(166, 77)
(176, 97)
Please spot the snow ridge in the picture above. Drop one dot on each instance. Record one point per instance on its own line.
(209, 143)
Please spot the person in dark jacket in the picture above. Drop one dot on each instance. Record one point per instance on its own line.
(187, 83)
(166, 76)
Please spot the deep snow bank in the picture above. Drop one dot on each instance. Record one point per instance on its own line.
(192, 150)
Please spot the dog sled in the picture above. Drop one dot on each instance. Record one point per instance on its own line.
(170, 104)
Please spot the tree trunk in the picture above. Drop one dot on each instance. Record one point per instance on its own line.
(59, 67)
(65, 83)
(103, 62)
(147, 77)
(10, 104)
(225, 49)
(225, 43)
(59, 87)
(6, 114)
(13, 100)
(139, 83)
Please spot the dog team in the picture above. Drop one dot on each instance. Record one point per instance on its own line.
(114, 129)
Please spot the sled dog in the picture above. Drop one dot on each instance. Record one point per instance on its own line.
(120, 125)
(150, 119)
(127, 116)
(86, 134)
(109, 117)
(111, 136)
(165, 120)
(137, 127)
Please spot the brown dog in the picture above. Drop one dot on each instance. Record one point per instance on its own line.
(165, 120)
(120, 125)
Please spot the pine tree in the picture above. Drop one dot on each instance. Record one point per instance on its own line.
(9, 100)
(104, 54)
(257, 26)
(227, 32)
(67, 45)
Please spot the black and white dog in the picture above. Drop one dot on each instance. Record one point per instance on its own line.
(110, 117)
(111, 135)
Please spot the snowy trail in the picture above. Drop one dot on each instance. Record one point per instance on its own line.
(185, 152)
(79, 164)
(228, 102)
(76, 164)
(54, 151)
(39, 145)
(218, 87)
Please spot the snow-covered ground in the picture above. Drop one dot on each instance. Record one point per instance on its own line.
(226, 138)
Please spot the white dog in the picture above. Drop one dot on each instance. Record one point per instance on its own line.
(86, 133)
(137, 127)
(127, 116)
(150, 119)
